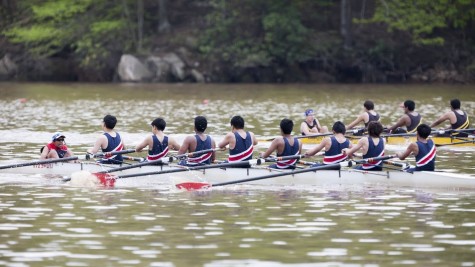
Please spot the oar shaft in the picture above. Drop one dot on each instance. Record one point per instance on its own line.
(112, 153)
(371, 160)
(335, 166)
(138, 165)
(37, 162)
(196, 153)
(184, 169)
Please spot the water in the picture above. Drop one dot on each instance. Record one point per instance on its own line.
(44, 223)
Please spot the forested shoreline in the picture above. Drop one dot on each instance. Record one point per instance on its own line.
(238, 41)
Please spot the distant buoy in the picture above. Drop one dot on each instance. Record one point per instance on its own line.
(205, 101)
(22, 100)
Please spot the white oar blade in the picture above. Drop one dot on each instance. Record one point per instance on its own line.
(87, 179)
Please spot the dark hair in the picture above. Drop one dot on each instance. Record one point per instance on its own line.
(286, 126)
(455, 103)
(159, 123)
(369, 105)
(237, 122)
(200, 123)
(339, 127)
(424, 130)
(110, 121)
(410, 105)
(375, 128)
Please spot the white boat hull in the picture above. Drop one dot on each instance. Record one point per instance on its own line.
(216, 175)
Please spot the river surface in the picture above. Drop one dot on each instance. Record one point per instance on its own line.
(46, 223)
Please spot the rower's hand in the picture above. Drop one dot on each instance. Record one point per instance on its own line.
(344, 151)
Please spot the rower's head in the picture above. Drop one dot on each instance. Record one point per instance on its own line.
(368, 105)
(423, 131)
(455, 104)
(409, 105)
(237, 122)
(200, 124)
(109, 121)
(286, 126)
(159, 123)
(309, 113)
(339, 127)
(375, 128)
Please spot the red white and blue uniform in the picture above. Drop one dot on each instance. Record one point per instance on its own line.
(242, 150)
(373, 151)
(202, 158)
(113, 144)
(288, 151)
(425, 159)
(159, 149)
(60, 150)
(334, 154)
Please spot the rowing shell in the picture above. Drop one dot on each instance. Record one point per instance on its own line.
(320, 178)
(403, 140)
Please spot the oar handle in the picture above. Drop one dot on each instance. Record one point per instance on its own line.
(397, 164)
(371, 160)
(275, 159)
(112, 153)
(38, 162)
(312, 135)
(196, 153)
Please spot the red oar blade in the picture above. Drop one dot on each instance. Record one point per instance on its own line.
(106, 179)
(189, 186)
(87, 179)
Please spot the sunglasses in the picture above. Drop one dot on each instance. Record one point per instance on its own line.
(60, 140)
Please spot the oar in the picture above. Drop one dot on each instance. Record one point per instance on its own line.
(305, 136)
(335, 166)
(455, 143)
(196, 153)
(104, 154)
(139, 159)
(38, 162)
(201, 185)
(100, 174)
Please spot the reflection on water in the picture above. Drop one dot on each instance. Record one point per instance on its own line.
(78, 227)
(45, 223)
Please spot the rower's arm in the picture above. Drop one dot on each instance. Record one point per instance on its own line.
(412, 148)
(359, 119)
(440, 120)
(173, 144)
(304, 128)
(273, 147)
(226, 141)
(317, 148)
(403, 121)
(143, 144)
(185, 147)
(98, 145)
(351, 150)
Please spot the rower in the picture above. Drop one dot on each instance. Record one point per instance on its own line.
(56, 148)
(241, 143)
(311, 125)
(371, 146)
(458, 119)
(158, 143)
(333, 146)
(366, 117)
(200, 141)
(109, 141)
(286, 145)
(410, 119)
(423, 149)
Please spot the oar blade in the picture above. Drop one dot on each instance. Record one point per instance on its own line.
(191, 186)
(87, 179)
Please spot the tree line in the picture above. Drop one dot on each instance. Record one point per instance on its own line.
(263, 40)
